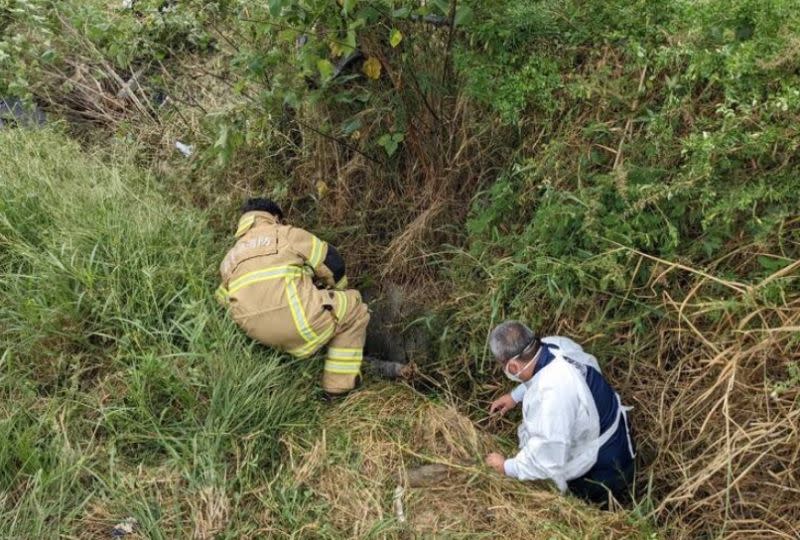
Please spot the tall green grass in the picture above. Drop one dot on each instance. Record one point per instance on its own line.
(125, 391)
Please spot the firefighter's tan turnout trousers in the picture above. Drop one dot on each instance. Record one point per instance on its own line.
(268, 284)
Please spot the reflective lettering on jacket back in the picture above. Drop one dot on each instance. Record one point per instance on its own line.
(259, 242)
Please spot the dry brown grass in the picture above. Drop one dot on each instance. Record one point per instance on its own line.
(373, 438)
(722, 439)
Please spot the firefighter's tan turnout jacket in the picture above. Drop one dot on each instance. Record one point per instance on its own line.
(268, 284)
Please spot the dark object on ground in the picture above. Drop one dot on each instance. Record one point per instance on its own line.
(390, 337)
(427, 475)
(124, 528)
(13, 112)
(391, 370)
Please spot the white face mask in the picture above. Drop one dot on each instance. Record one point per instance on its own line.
(515, 376)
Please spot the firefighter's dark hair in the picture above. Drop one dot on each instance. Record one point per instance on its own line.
(262, 205)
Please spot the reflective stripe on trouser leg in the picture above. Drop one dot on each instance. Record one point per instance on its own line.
(344, 361)
(346, 349)
(298, 313)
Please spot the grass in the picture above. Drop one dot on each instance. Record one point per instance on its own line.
(622, 173)
(125, 390)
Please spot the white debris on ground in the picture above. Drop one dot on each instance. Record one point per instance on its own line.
(124, 528)
(185, 149)
(399, 491)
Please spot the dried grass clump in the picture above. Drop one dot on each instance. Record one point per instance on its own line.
(717, 412)
(374, 438)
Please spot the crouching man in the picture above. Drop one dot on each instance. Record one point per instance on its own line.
(286, 288)
(575, 430)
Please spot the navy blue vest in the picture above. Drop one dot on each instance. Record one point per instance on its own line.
(614, 454)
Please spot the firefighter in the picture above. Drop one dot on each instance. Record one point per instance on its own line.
(287, 289)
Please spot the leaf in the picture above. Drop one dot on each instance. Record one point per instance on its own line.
(443, 6)
(325, 69)
(391, 141)
(770, 264)
(372, 68)
(388, 143)
(322, 188)
(350, 41)
(395, 37)
(463, 15)
(401, 13)
(275, 7)
(348, 6)
(351, 125)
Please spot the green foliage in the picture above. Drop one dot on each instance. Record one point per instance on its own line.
(656, 127)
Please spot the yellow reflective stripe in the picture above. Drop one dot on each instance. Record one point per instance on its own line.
(257, 276)
(244, 224)
(345, 354)
(221, 293)
(298, 314)
(316, 252)
(342, 283)
(309, 348)
(343, 368)
(341, 308)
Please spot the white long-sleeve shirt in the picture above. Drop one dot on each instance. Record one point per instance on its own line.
(559, 434)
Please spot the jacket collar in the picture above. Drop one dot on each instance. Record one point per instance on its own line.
(546, 356)
(248, 219)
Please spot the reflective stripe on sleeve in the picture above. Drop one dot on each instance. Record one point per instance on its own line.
(244, 225)
(342, 369)
(341, 305)
(342, 283)
(316, 252)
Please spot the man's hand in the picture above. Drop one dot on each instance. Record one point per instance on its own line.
(496, 461)
(502, 405)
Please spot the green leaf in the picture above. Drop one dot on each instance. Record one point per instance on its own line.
(275, 7)
(443, 6)
(351, 41)
(771, 264)
(401, 13)
(390, 142)
(325, 69)
(395, 37)
(351, 126)
(348, 6)
(463, 15)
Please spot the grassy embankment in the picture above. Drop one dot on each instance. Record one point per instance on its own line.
(126, 392)
(624, 173)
